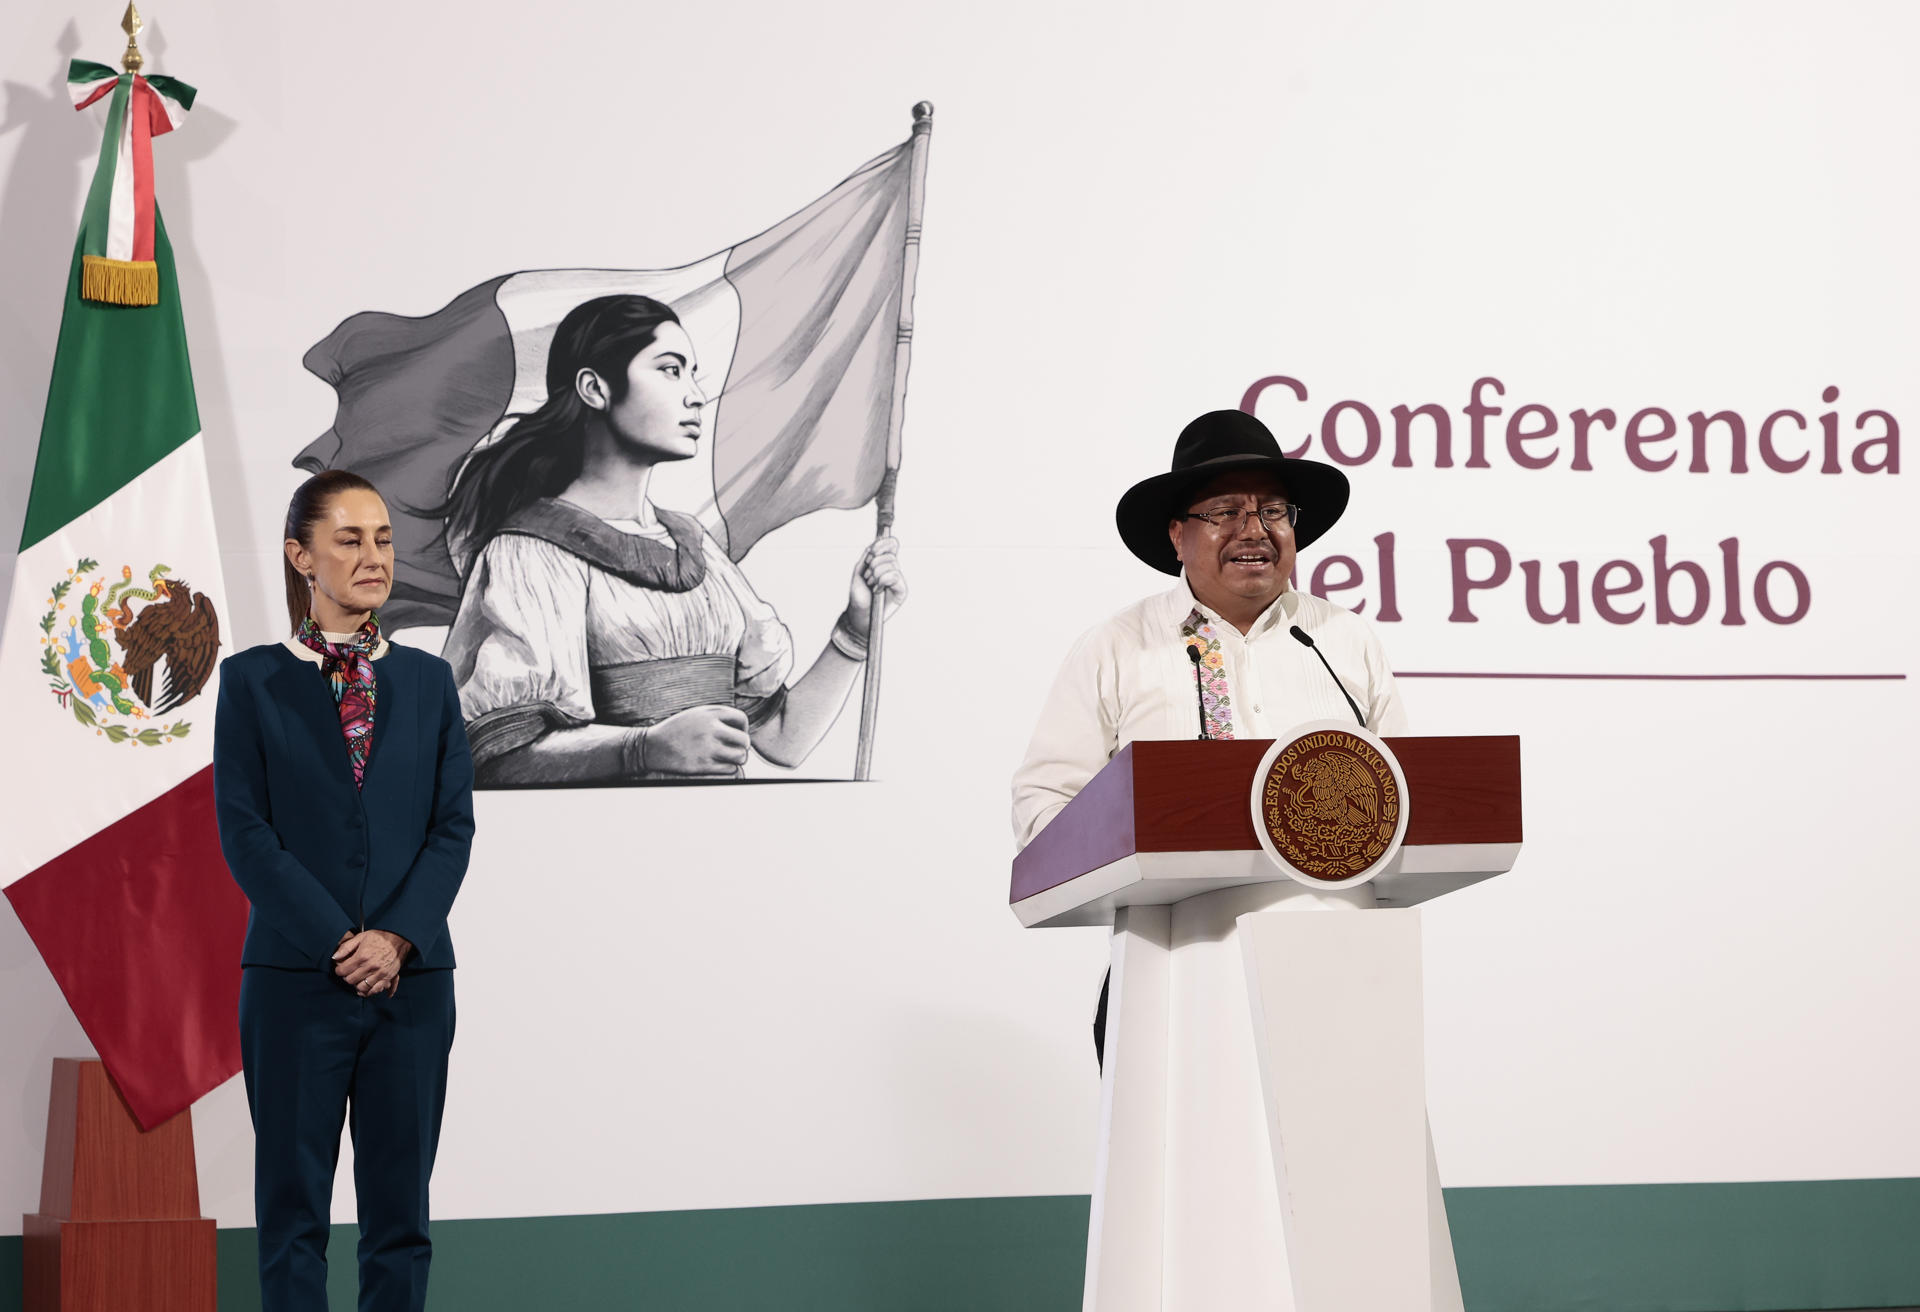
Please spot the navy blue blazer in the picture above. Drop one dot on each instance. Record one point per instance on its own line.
(316, 856)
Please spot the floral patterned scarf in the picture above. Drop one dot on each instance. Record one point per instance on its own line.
(1211, 670)
(349, 671)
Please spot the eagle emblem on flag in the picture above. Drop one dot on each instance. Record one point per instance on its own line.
(105, 644)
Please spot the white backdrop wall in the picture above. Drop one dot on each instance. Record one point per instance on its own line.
(1701, 970)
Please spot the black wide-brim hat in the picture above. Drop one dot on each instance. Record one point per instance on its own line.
(1216, 443)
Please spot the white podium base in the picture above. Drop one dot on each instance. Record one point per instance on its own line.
(1312, 1189)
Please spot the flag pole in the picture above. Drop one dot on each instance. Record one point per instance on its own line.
(883, 500)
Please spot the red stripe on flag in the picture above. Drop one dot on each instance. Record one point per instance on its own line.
(141, 926)
(142, 126)
(161, 122)
(105, 88)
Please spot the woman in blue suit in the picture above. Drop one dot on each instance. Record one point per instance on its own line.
(345, 796)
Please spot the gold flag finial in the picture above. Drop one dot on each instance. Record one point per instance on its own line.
(131, 25)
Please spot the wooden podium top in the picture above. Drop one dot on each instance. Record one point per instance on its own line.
(1170, 819)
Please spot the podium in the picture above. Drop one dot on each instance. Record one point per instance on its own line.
(1263, 1136)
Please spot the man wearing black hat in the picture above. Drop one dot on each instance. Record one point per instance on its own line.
(1215, 654)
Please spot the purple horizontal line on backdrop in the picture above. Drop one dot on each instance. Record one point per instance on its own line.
(1686, 678)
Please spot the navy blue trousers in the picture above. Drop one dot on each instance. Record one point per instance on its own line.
(316, 1055)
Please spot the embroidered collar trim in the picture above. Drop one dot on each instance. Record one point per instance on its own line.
(642, 561)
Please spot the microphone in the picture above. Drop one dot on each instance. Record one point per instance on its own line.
(1199, 693)
(1307, 642)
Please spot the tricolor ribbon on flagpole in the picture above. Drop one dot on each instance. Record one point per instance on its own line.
(116, 228)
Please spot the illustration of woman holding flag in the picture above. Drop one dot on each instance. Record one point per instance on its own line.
(601, 639)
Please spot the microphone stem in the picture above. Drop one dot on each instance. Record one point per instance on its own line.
(1351, 704)
(1306, 640)
(1199, 692)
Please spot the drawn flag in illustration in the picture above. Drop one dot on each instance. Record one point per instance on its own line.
(796, 332)
(109, 651)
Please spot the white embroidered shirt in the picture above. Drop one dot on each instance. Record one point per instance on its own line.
(1130, 677)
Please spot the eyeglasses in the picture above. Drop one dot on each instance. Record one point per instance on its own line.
(1271, 517)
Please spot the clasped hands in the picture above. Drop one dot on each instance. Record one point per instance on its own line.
(370, 961)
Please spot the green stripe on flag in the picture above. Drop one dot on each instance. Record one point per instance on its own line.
(86, 72)
(173, 89)
(120, 401)
(93, 219)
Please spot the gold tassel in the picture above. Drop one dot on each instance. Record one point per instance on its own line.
(119, 282)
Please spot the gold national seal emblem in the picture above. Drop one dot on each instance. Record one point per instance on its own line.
(1330, 803)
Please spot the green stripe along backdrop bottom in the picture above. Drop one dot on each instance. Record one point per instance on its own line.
(1769, 1247)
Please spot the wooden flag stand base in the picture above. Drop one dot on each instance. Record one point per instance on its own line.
(119, 1224)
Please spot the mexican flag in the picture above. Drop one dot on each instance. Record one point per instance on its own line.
(797, 330)
(110, 648)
